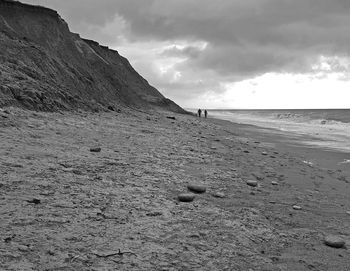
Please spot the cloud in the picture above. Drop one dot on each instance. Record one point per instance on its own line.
(251, 36)
(218, 42)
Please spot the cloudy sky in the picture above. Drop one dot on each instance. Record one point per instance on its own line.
(227, 53)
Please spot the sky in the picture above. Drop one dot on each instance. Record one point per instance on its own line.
(237, 54)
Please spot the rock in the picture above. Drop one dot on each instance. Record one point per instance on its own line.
(23, 248)
(264, 153)
(9, 238)
(197, 188)
(334, 241)
(186, 197)
(172, 118)
(95, 149)
(274, 183)
(296, 207)
(110, 108)
(252, 183)
(50, 252)
(34, 201)
(194, 235)
(258, 176)
(155, 213)
(106, 254)
(219, 195)
(348, 213)
(246, 151)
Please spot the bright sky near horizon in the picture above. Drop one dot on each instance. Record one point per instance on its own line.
(227, 53)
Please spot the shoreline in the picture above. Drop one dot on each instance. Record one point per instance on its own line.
(293, 143)
(66, 207)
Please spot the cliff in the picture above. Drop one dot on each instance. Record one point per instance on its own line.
(44, 66)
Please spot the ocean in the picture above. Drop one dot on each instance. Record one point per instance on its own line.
(327, 128)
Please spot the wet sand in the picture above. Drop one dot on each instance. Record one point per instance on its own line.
(64, 207)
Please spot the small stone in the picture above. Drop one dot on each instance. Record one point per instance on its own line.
(246, 151)
(194, 235)
(186, 197)
(252, 183)
(334, 241)
(23, 248)
(50, 252)
(197, 188)
(219, 195)
(274, 183)
(204, 233)
(348, 213)
(95, 149)
(264, 153)
(156, 213)
(296, 207)
(106, 254)
(34, 201)
(272, 201)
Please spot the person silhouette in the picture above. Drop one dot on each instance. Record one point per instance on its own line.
(199, 112)
(205, 113)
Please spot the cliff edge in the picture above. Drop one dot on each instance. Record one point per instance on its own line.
(44, 66)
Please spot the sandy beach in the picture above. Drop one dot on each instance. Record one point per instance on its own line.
(65, 204)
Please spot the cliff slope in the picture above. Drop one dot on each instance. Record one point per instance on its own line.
(44, 66)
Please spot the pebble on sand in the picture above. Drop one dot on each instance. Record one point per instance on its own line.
(186, 197)
(219, 195)
(296, 207)
(34, 201)
(252, 183)
(95, 149)
(334, 241)
(196, 188)
(274, 183)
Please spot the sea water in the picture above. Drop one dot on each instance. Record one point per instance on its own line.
(328, 128)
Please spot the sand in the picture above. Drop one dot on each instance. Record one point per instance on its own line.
(64, 207)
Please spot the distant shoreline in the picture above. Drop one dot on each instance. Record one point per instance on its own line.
(292, 143)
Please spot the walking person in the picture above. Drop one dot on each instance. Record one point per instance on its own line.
(205, 113)
(199, 112)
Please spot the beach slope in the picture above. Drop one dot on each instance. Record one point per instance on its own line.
(83, 191)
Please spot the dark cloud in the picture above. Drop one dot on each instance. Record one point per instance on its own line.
(244, 38)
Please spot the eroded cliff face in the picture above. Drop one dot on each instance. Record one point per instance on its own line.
(44, 66)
